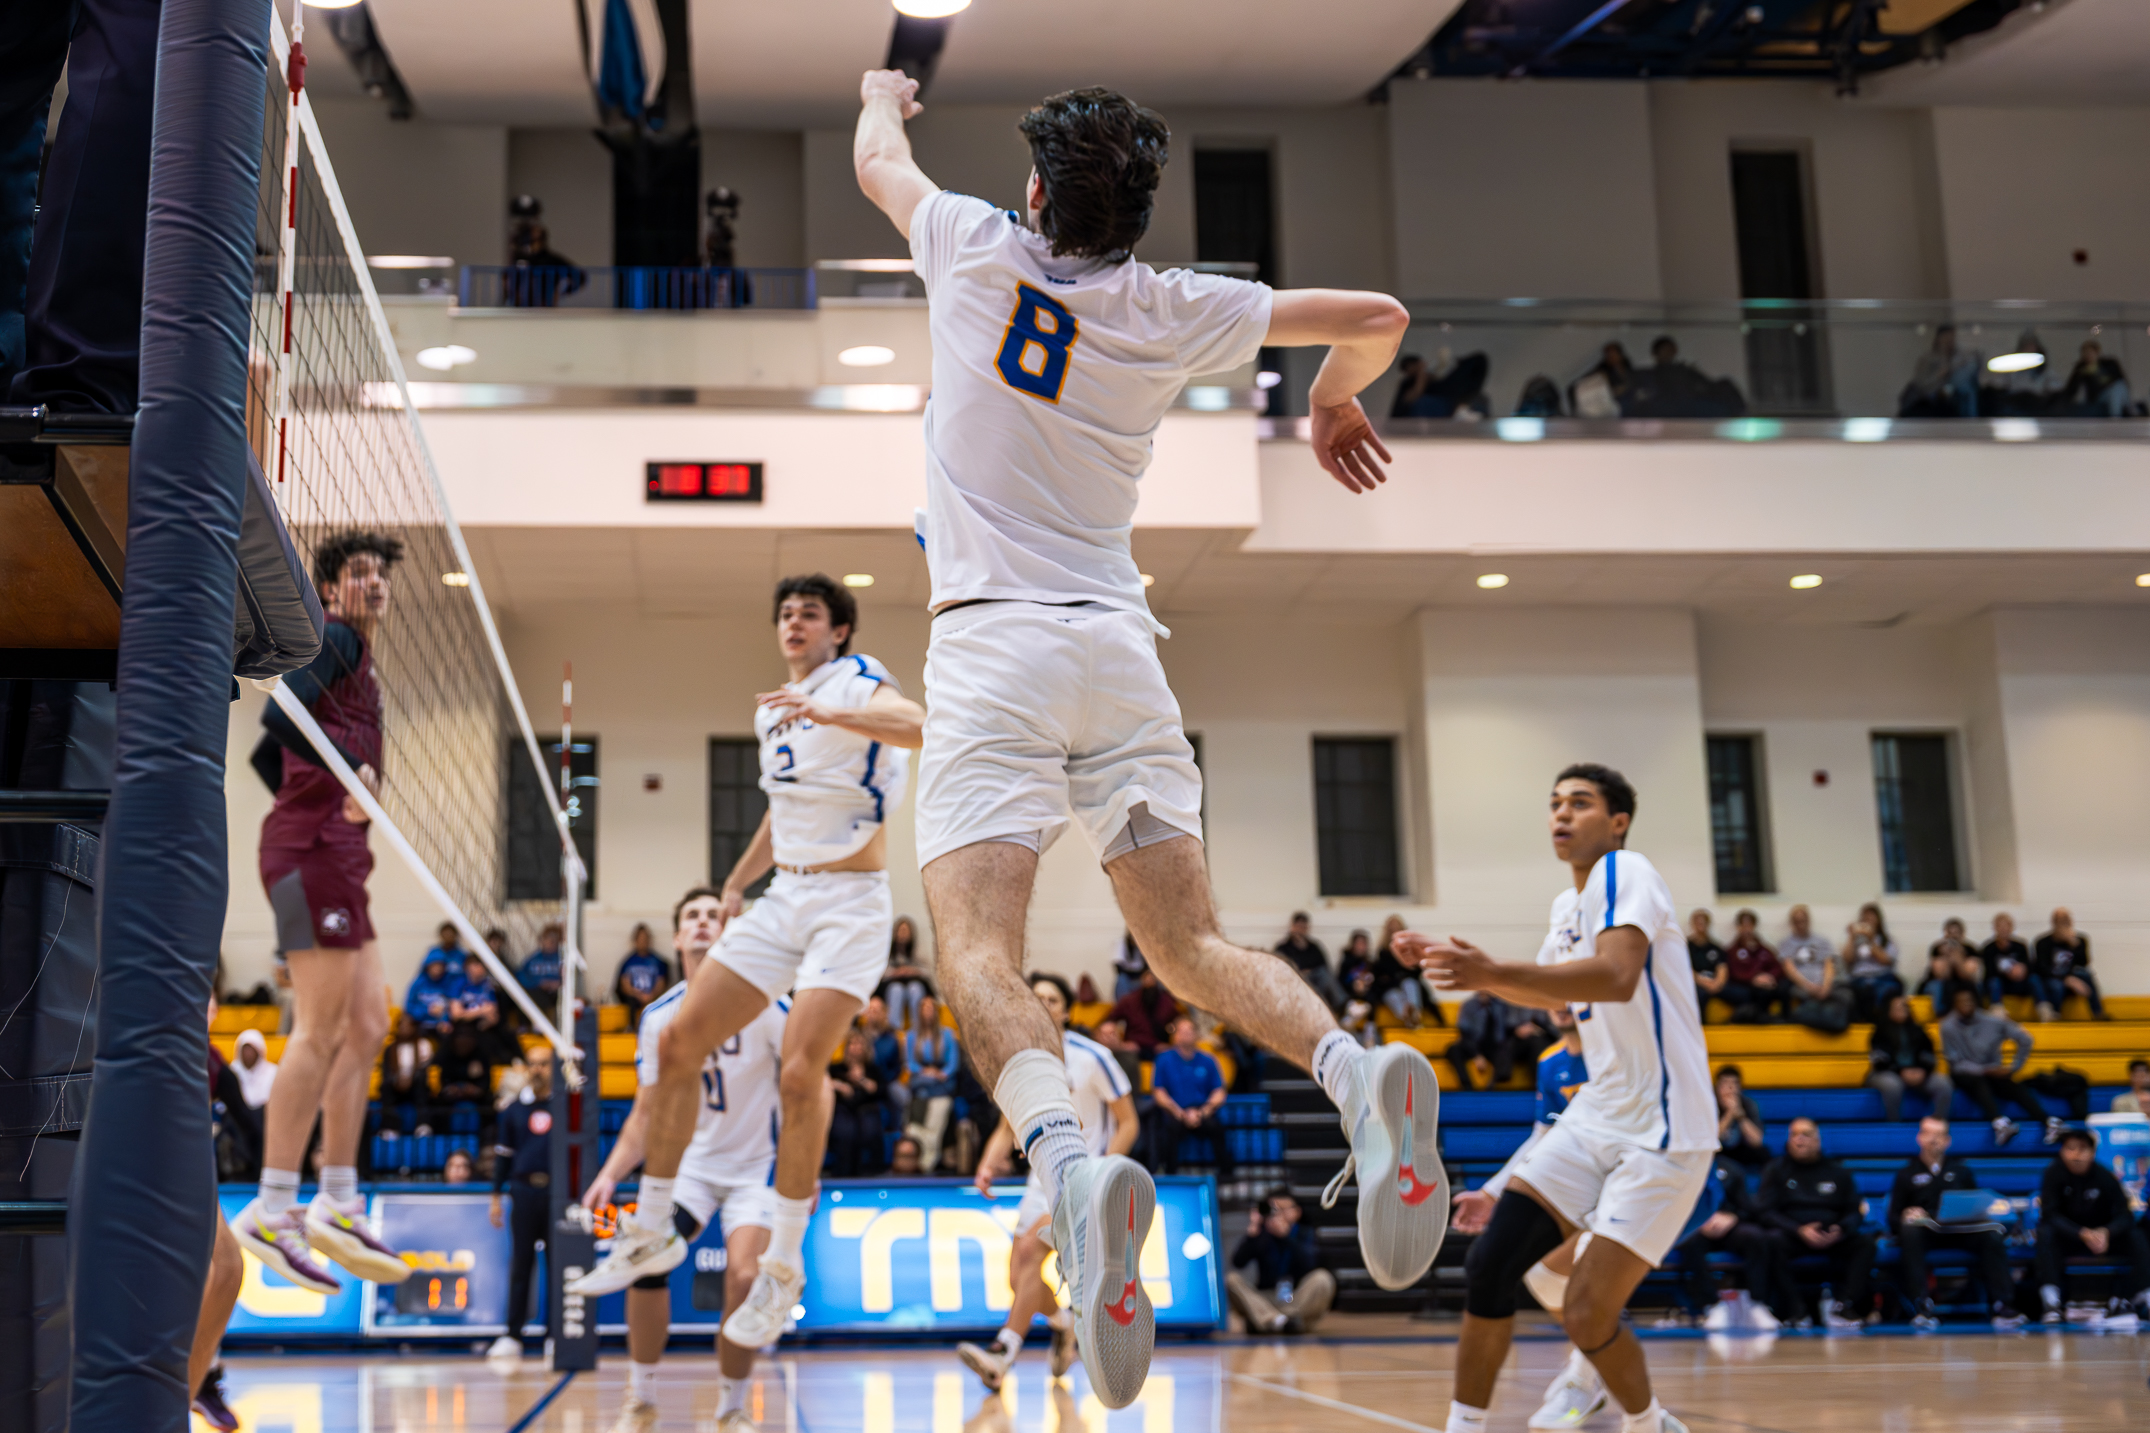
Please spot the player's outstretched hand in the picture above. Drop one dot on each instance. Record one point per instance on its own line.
(1452, 964)
(1346, 448)
(1470, 1212)
(599, 1194)
(789, 705)
(896, 85)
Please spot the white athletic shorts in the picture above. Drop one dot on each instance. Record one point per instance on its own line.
(825, 931)
(1035, 1214)
(1033, 711)
(746, 1204)
(1638, 1198)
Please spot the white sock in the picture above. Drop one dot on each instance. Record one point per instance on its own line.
(1650, 1420)
(339, 1183)
(1462, 1418)
(1033, 1092)
(1336, 1064)
(1010, 1342)
(731, 1393)
(279, 1191)
(787, 1232)
(2050, 1294)
(653, 1203)
(642, 1382)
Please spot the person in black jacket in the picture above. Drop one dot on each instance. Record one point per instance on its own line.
(1902, 1056)
(1812, 1205)
(522, 1166)
(1736, 1228)
(1287, 1290)
(2083, 1213)
(1914, 1203)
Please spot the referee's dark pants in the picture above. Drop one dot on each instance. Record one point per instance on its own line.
(530, 1212)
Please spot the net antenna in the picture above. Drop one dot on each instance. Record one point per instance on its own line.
(329, 414)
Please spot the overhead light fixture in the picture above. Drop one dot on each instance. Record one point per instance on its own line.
(2143, 580)
(406, 261)
(930, 9)
(1806, 580)
(2015, 362)
(858, 579)
(447, 356)
(455, 579)
(1267, 379)
(332, 4)
(866, 355)
(1149, 581)
(1491, 580)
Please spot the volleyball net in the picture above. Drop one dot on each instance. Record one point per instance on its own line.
(330, 419)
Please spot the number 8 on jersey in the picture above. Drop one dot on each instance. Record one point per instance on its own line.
(1034, 355)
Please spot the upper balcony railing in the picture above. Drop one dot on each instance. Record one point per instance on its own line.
(633, 288)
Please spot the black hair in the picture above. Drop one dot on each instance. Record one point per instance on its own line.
(1067, 992)
(333, 554)
(1619, 794)
(843, 607)
(2082, 1134)
(1099, 156)
(1664, 340)
(2138, 1064)
(695, 894)
(1733, 1071)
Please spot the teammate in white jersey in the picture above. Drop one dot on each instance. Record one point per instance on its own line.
(1055, 357)
(727, 1169)
(1105, 1103)
(834, 759)
(1632, 1152)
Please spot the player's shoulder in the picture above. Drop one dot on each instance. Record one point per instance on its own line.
(1077, 1043)
(1625, 870)
(662, 1007)
(860, 666)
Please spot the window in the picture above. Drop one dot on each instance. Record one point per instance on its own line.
(533, 846)
(1915, 799)
(1736, 822)
(1787, 366)
(736, 804)
(1355, 816)
(1235, 222)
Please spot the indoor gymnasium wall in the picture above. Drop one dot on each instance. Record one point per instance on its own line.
(418, 186)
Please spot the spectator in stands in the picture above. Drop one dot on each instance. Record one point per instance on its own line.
(448, 946)
(1312, 962)
(1670, 388)
(1448, 388)
(2061, 958)
(1736, 1229)
(1492, 1038)
(1950, 965)
(1945, 382)
(1187, 1090)
(1146, 1014)
(431, 998)
(404, 1061)
(1870, 963)
(1901, 1057)
(1707, 958)
(884, 1041)
(905, 983)
(1604, 391)
(477, 1006)
(1127, 964)
(907, 1159)
(254, 1070)
(2010, 968)
(855, 1126)
(458, 1169)
(1755, 983)
(1355, 958)
(1288, 1290)
(1818, 997)
(930, 1058)
(1357, 1018)
(2135, 1099)
(1972, 1040)
(1811, 1203)
(1914, 1218)
(2023, 392)
(1397, 985)
(1111, 1032)
(522, 1169)
(2095, 388)
(2083, 1213)
(465, 1075)
(1739, 1120)
(643, 976)
(541, 969)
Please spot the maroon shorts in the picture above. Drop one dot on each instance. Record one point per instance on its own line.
(319, 897)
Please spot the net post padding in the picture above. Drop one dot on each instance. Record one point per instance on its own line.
(143, 1198)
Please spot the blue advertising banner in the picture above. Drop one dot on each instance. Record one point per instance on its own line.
(458, 1286)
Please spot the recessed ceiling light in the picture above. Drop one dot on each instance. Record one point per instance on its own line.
(2143, 579)
(931, 9)
(455, 579)
(1491, 580)
(1807, 579)
(331, 4)
(447, 356)
(1149, 581)
(858, 579)
(407, 261)
(866, 355)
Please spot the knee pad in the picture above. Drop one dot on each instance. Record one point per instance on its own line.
(688, 1227)
(1519, 1234)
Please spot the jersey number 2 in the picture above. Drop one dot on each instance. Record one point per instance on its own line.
(1034, 355)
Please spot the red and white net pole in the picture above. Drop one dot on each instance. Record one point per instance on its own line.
(570, 865)
(287, 250)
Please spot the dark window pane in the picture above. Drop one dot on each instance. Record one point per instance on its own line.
(1736, 815)
(533, 847)
(736, 804)
(1355, 816)
(1916, 806)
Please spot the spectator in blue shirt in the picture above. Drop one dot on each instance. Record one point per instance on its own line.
(931, 1058)
(1187, 1090)
(540, 972)
(449, 947)
(431, 999)
(644, 975)
(477, 1007)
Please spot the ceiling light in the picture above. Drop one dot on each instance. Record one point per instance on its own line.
(455, 579)
(858, 579)
(1806, 580)
(407, 261)
(2143, 580)
(2014, 362)
(1267, 379)
(447, 356)
(866, 355)
(931, 9)
(1149, 581)
(331, 4)
(1491, 580)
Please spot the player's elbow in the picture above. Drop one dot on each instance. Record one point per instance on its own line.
(1385, 318)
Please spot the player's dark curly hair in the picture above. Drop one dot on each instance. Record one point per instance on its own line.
(1067, 992)
(1618, 792)
(843, 607)
(334, 553)
(1100, 156)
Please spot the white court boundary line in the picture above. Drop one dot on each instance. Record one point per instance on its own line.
(1334, 1404)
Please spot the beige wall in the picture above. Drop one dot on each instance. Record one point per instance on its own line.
(418, 187)
(2023, 189)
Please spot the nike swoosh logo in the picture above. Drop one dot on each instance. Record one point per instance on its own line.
(1122, 1310)
(1410, 1188)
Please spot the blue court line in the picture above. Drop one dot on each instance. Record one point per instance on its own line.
(539, 1407)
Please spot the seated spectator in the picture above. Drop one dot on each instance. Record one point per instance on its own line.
(1707, 958)
(1397, 985)
(1357, 1019)
(448, 945)
(855, 1122)
(2010, 967)
(1736, 1228)
(255, 1072)
(1446, 389)
(1493, 1037)
(1945, 382)
(1972, 1039)
(431, 998)
(2095, 388)
(1950, 965)
(643, 976)
(2023, 392)
(905, 982)
(1146, 1014)
(1812, 1205)
(906, 1160)
(1312, 962)
(883, 1041)
(2061, 958)
(2135, 1099)
(1739, 1120)
(1914, 1207)
(1870, 963)
(1754, 984)
(1672, 389)
(1286, 1290)
(2083, 1213)
(930, 1058)
(1540, 398)
(541, 969)
(1127, 964)
(1356, 958)
(458, 1169)
(1900, 1056)
(403, 1078)
(1817, 996)
(1111, 1032)
(1187, 1091)
(466, 1076)
(1604, 391)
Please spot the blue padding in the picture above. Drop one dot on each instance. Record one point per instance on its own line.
(1488, 1142)
(143, 1173)
(1241, 1111)
(1784, 1106)
(612, 1115)
(1488, 1108)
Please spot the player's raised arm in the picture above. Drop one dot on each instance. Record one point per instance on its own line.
(881, 151)
(1362, 331)
(1612, 973)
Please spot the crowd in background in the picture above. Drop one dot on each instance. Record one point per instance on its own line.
(1613, 387)
(1955, 381)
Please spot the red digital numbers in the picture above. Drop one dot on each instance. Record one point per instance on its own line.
(703, 482)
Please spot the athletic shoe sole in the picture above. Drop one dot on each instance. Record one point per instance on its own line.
(1115, 1324)
(272, 1257)
(983, 1362)
(1403, 1191)
(1567, 1417)
(614, 1273)
(353, 1252)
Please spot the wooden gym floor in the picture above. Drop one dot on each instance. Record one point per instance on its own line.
(1365, 1374)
